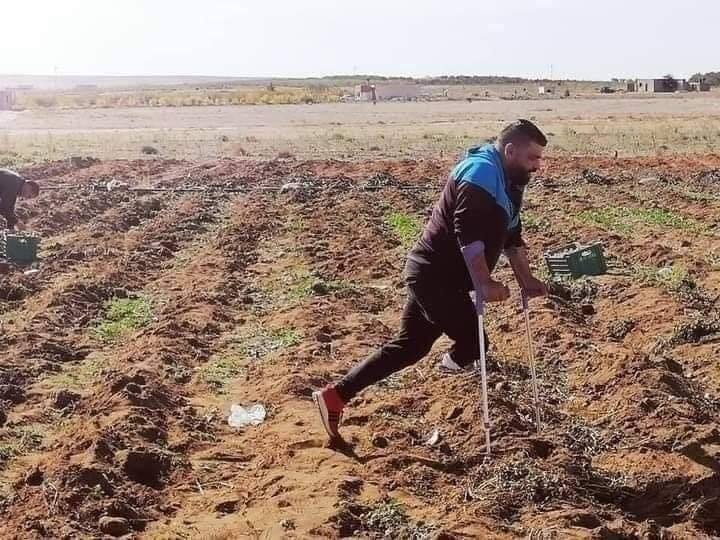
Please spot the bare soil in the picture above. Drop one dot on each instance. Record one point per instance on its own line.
(268, 295)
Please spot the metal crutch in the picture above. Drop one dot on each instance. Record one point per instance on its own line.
(531, 359)
(483, 371)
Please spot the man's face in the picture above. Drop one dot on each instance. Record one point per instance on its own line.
(521, 160)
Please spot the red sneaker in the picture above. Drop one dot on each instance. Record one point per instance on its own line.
(330, 405)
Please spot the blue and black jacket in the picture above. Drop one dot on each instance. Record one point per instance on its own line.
(477, 204)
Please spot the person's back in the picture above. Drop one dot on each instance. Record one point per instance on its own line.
(10, 182)
(12, 186)
(476, 187)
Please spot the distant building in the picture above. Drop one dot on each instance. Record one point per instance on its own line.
(397, 91)
(7, 100)
(664, 85)
(365, 92)
(372, 92)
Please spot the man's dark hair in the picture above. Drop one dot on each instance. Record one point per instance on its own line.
(34, 187)
(522, 132)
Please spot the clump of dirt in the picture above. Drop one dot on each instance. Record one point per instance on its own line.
(577, 291)
(696, 331)
(708, 180)
(592, 177)
(619, 329)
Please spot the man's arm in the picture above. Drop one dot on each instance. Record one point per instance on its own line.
(475, 225)
(530, 285)
(8, 198)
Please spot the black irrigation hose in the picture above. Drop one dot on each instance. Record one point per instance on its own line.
(233, 190)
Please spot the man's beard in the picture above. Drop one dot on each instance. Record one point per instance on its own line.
(520, 177)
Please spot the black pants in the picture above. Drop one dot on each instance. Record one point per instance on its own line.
(431, 310)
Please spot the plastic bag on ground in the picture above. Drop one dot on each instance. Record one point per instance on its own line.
(247, 416)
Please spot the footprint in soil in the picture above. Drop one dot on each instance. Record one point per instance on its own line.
(147, 467)
(342, 446)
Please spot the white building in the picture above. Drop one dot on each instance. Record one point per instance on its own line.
(397, 91)
(7, 100)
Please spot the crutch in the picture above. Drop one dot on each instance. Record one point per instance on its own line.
(531, 359)
(481, 364)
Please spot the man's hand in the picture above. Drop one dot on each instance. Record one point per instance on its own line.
(533, 287)
(493, 291)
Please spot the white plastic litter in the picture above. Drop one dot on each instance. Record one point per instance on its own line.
(116, 185)
(434, 438)
(295, 186)
(247, 416)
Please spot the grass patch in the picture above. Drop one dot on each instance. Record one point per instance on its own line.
(624, 220)
(404, 227)
(302, 284)
(18, 442)
(714, 260)
(78, 376)
(531, 222)
(123, 315)
(182, 97)
(672, 278)
(264, 342)
(389, 519)
(13, 160)
(219, 371)
(7, 495)
(250, 345)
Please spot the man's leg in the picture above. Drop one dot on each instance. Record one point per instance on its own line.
(415, 339)
(461, 325)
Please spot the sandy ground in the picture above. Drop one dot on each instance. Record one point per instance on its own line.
(628, 125)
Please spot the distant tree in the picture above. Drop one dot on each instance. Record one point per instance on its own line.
(712, 78)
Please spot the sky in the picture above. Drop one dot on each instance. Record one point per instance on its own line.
(569, 39)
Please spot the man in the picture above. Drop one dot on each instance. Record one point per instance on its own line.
(12, 186)
(476, 218)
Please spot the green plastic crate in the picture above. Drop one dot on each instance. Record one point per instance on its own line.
(20, 248)
(575, 261)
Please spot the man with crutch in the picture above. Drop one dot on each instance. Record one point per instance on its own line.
(476, 218)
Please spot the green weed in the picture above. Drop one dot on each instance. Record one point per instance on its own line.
(531, 222)
(263, 342)
(624, 220)
(406, 228)
(19, 441)
(251, 344)
(673, 278)
(304, 284)
(390, 519)
(78, 376)
(219, 371)
(123, 315)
